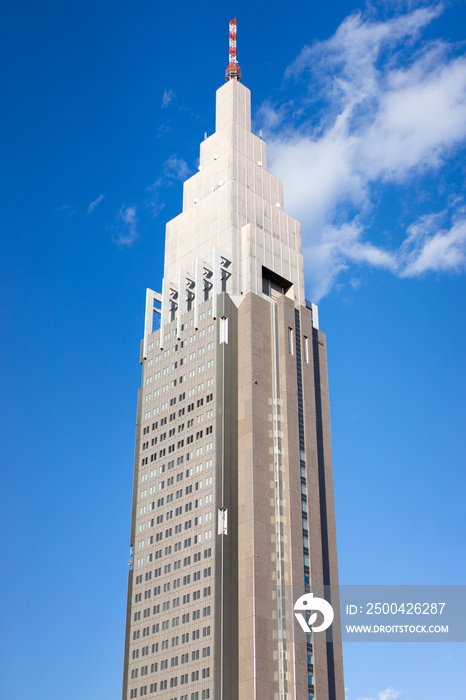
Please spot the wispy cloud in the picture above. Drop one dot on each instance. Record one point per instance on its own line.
(95, 203)
(125, 231)
(168, 96)
(174, 169)
(431, 248)
(387, 694)
(378, 107)
(70, 209)
(163, 129)
(270, 116)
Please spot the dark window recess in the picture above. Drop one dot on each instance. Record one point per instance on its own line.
(273, 284)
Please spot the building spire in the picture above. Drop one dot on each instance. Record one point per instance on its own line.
(233, 72)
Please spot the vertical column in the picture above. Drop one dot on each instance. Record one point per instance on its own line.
(198, 290)
(165, 309)
(226, 499)
(327, 506)
(217, 279)
(151, 296)
(257, 564)
(182, 281)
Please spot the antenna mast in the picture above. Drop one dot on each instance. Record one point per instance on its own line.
(233, 72)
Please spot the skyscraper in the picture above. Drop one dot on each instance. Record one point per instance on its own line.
(233, 493)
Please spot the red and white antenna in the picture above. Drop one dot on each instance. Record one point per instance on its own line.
(233, 71)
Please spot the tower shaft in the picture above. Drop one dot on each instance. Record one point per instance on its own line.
(233, 494)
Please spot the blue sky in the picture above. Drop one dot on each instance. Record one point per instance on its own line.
(363, 107)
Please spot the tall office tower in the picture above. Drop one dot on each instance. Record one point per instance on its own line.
(233, 495)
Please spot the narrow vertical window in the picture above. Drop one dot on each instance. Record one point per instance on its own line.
(223, 331)
(265, 286)
(290, 341)
(306, 349)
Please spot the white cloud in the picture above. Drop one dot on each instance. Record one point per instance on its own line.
(319, 174)
(174, 169)
(379, 107)
(168, 96)
(387, 694)
(95, 203)
(429, 248)
(270, 116)
(126, 227)
(334, 250)
(420, 117)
